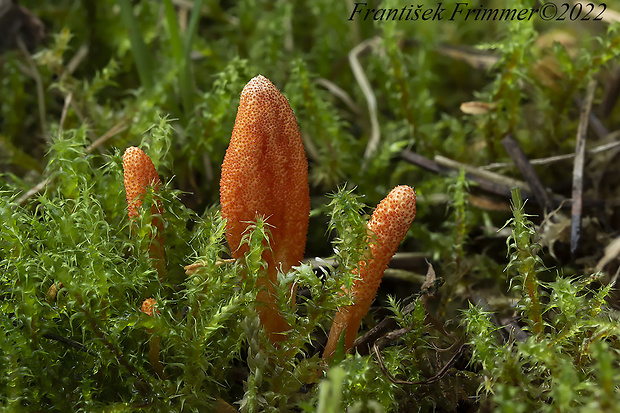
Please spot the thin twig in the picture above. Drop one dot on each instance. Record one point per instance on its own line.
(385, 326)
(595, 123)
(77, 58)
(474, 57)
(289, 39)
(483, 182)
(355, 26)
(337, 91)
(83, 120)
(208, 166)
(527, 171)
(552, 159)
(580, 153)
(71, 343)
(442, 372)
(34, 190)
(115, 130)
(482, 173)
(489, 186)
(362, 80)
(120, 357)
(597, 126)
(63, 115)
(424, 162)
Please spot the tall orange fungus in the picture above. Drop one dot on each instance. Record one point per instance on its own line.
(265, 173)
(139, 174)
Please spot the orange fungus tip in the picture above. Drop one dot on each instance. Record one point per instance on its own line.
(139, 173)
(265, 172)
(148, 305)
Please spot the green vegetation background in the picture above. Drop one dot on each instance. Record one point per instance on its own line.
(166, 76)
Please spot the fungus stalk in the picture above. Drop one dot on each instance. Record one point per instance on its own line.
(139, 174)
(265, 173)
(387, 227)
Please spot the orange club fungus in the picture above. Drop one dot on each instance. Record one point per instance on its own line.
(265, 173)
(139, 174)
(387, 228)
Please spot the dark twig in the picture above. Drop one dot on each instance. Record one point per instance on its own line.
(511, 327)
(419, 160)
(377, 350)
(597, 126)
(528, 172)
(595, 123)
(610, 94)
(423, 162)
(497, 188)
(69, 342)
(580, 152)
(362, 344)
(387, 325)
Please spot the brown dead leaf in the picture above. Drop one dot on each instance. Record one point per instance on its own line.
(477, 108)
(547, 71)
(488, 203)
(430, 284)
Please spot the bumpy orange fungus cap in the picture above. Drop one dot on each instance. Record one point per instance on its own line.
(387, 227)
(147, 306)
(139, 173)
(265, 172)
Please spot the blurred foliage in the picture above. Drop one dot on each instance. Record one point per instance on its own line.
(505, 326)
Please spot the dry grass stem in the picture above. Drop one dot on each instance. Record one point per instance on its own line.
(371, 100)
(580, 153)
